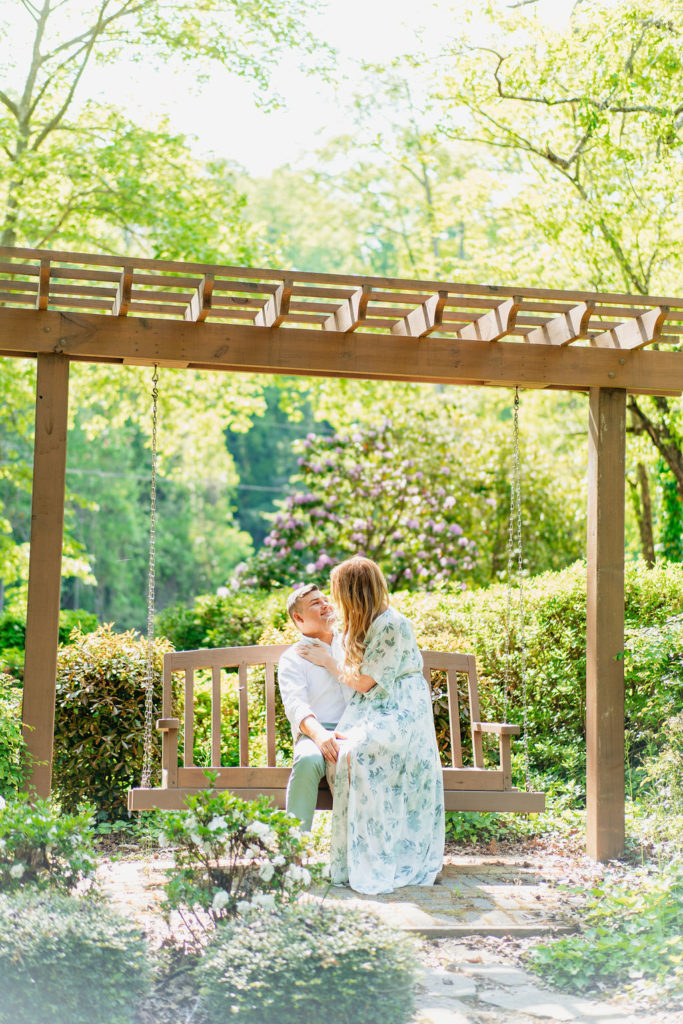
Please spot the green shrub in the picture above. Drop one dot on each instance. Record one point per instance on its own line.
(68, 961)
(74, 622)
(13, 752)
(12, 630)
(631, 936)
(99, 723)
(43, 848)
(664, 771)
(230, 853)
(307, 963)
(234, 620)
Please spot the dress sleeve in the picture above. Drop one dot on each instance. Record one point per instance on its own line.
(384, 653)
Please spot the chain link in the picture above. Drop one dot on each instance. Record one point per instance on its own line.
(151, 582)
(515, 547)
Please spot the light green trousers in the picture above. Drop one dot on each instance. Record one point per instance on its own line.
(308, 768)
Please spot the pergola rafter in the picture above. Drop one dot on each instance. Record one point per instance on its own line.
(61, 307)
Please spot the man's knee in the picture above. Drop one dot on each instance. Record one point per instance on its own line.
(309, 764)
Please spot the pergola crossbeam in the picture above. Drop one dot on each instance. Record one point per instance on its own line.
(123, 293)
(423, 320)
(276, 308)
(351, 313)
(494, 325)
(636, 333)
(43, 296)
(199, 305)
(563, 329)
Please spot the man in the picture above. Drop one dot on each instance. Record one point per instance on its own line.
(313, 698)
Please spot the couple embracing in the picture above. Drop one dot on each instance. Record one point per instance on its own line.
(359, 708)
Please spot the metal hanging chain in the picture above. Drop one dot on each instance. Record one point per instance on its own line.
(515, 545)
(151, 582)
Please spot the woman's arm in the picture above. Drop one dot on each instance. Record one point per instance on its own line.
(318, 655)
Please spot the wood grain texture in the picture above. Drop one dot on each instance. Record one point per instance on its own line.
(45, 566)
(605, 625)
(313, 352)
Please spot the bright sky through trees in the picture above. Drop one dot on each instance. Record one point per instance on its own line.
(222, 112)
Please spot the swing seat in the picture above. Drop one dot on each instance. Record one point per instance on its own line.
(466, 787)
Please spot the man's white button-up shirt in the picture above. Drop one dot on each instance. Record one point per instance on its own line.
(308, 689)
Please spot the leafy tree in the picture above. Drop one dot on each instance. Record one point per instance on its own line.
(593, 113)
(50, 152)
(264, 458)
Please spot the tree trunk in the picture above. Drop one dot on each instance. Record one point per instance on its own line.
(642, 506)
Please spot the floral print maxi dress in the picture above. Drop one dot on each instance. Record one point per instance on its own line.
(388, 818)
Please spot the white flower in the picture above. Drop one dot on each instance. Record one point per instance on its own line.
(222, 592)
(17, 870)
(243, 906)
(295, 875)
(163, 841)
(216, 823)
(220, 900)
(265, 900)
(295, 832)
(197, 840)
(278, 860)
(3, 803)
(252, 852)
(266, 871)
(263, 832)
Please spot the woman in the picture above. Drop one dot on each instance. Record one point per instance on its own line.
(388, 819)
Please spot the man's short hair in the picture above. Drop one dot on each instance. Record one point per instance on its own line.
(295, 597)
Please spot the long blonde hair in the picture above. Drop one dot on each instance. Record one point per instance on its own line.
(359, 590)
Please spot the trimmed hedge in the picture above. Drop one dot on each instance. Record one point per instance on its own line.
(68, 961)
(99, 724)
(306, 963)
(555, 632)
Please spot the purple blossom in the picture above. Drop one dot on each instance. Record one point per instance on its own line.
(412, 524)
(397, 535)
(455, 529)
(408, 574)
(463, 542)
(299, 545)
(449, 502)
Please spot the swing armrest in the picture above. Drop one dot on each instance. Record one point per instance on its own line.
(498, 728)
(168, 724)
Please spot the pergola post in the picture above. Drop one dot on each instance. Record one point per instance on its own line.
(45, 566)
(605, 624)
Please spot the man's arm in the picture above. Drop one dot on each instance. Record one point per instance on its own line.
(302, 718)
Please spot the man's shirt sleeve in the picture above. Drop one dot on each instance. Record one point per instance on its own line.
(291, 677)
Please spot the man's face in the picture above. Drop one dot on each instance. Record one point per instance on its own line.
(315, 615)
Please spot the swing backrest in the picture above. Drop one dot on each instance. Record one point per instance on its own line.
(218, 660)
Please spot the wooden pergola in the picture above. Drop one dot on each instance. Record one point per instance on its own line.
(60, 307)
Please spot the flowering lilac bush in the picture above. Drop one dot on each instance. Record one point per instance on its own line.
(378, 492)
(232, 855)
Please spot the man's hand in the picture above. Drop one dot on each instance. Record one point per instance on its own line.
(325, 740)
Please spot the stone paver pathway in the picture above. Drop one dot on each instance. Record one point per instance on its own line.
(476, 896)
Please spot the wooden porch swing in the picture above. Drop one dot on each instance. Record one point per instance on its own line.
(471, 788)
